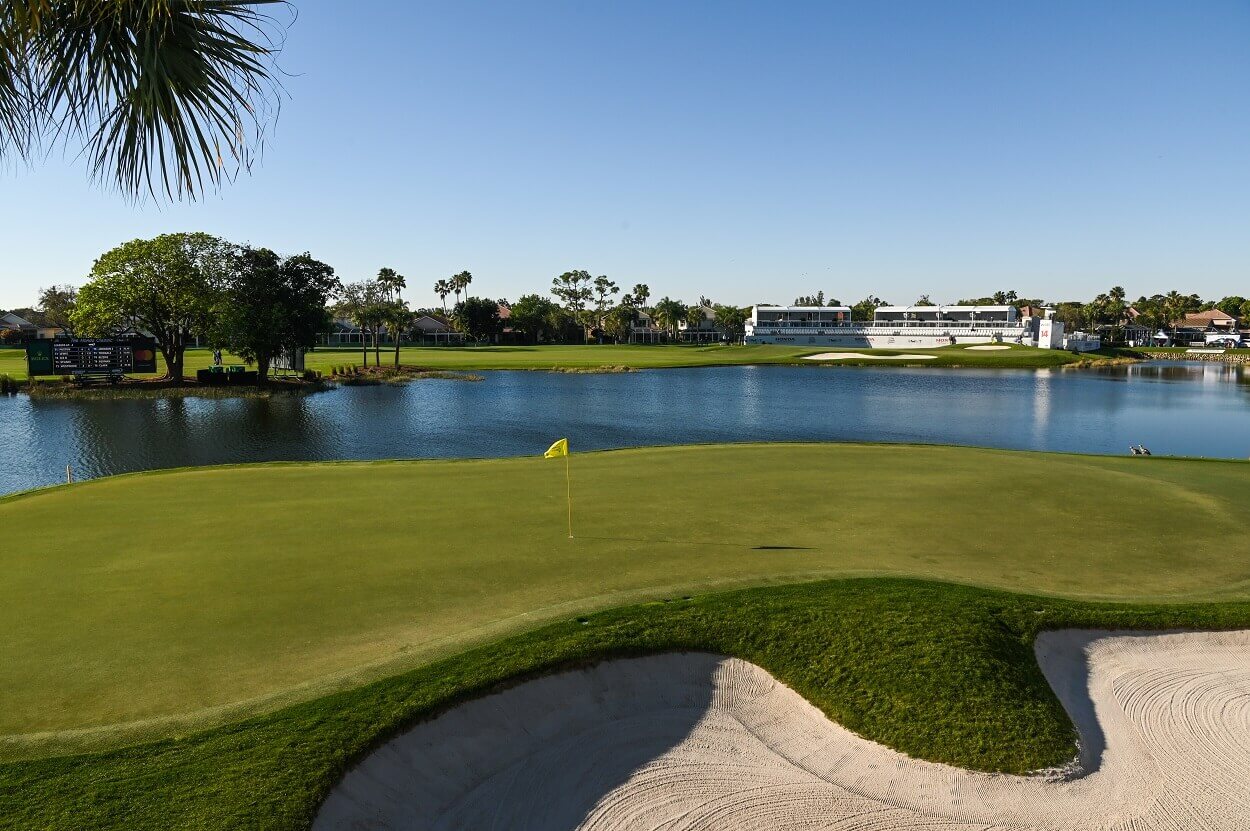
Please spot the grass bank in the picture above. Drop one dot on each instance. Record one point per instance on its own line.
(941, 672)
(621, 357)
(169, 601)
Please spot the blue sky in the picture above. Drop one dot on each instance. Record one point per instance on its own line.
(744, 151)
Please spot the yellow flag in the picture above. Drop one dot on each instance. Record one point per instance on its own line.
(560, 448)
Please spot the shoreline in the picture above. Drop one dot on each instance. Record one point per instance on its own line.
(461, 363)
(458, 362)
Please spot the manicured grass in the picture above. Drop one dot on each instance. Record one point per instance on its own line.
(190, 597)
(941, 672)
(13, 361)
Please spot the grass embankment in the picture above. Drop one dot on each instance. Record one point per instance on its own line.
(191, 597)
(620, 357)
(941, 672)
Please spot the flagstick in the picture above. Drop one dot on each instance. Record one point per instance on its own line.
(569, 482)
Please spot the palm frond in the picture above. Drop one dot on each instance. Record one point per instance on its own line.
(167, 96)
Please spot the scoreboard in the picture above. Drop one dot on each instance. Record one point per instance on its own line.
(91, 356)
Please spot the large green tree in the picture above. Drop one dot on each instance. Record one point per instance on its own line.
(1234, 306)
(865, 309)
(532, 315)
(667, 312)
(57, 304)
(732, 320)
(167, 96)
(603, 289)
(619, 322)
(273, 305)
(364, 304)
(477, 317)
(169, 286)
(572, 288)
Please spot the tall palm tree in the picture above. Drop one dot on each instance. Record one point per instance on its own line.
(163, 95)
(443, 288)
(391, 282)
(667, 313)
(397, 318)
(641, 295)
(460, 283)
(1174, 309)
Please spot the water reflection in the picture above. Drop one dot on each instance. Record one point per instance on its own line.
(1183, 409)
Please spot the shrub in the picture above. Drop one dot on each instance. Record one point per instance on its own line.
(8, 385)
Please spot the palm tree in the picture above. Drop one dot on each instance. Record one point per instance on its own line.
(443, 288)
(460, 283)
(161, 94)
(361, 303)
(641, 295)
(1174, 309)
(397, 318)
(667, 312)
(391, 282)
(694, 318)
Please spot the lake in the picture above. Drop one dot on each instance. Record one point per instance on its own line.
(1191, 409)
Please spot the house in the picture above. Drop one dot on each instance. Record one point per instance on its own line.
(704, 332)
(433, 328)
(1212, 320)
(26, 330)
(343, 333)
(645, 330)
(21, 325)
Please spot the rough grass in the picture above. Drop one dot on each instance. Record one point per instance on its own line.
(393, 375)
(941, 672)
(13, 361)
(164, 602)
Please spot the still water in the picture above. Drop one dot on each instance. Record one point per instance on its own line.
(1172, 408)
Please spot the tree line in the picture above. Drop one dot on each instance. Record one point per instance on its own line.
(188, 287)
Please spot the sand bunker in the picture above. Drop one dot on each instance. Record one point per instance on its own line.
(838, 356)
(700, 741)
(988, 347)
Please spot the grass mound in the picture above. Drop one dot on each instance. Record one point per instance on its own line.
(941, 672)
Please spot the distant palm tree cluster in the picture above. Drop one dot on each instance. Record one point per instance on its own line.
(579, 308)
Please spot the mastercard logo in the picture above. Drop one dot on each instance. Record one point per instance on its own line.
(144, 355)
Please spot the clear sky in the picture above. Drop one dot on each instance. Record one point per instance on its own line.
(744, 151)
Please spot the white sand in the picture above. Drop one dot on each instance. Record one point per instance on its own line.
(838, 356)
(988, 347)
(700, 741)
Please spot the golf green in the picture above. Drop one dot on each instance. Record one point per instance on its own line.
(152, 604)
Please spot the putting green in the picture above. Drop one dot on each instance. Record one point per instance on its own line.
(193, 595)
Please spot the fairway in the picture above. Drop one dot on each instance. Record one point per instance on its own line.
(577, 356)
(198, 594)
